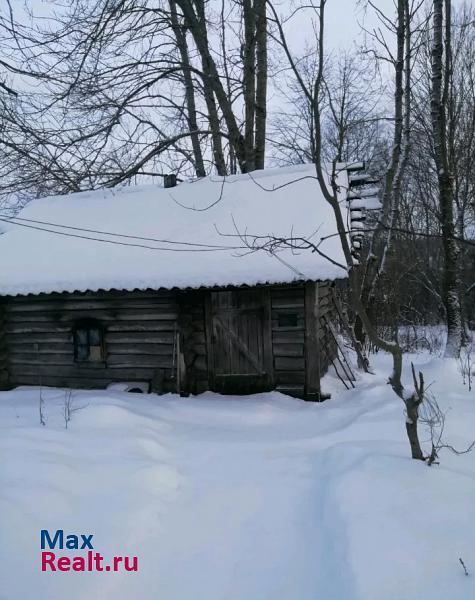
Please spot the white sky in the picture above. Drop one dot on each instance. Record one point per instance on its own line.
(343, 18)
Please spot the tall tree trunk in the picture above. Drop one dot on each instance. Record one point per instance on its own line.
(261, 83)
(249, 80)
(216, 139)
(441, 73)
(392, 182)
(331, 195)
(195, 19)
(182, 46)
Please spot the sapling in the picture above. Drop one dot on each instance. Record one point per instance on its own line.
(68, 408)
(466, 364)
(41, 408)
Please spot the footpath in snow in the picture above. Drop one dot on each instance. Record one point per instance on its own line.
(249, 498)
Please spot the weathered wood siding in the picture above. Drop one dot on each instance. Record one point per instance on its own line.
(3, 351)
(36, 338)
(139, 338)
(192, 327)
(326, 327)
(288, 341)
(301, 355)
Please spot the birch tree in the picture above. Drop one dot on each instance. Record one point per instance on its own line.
(441, 75)
(412, 398)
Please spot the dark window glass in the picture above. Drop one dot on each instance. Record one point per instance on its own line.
(88, 341)
(95, 337)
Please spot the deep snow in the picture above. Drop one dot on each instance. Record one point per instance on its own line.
(254, 498)
(195, 234)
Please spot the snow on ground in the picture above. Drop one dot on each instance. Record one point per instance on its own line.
(227, 498)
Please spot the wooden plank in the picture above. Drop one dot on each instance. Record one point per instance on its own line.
(276, 328)
(268, 350)
(69, 382)
(33, 329)
(41, 348)
(103, 315)
(141, 349)
(289, 363)
(101, 294)
(289, 349)
(289, 377)
(296, 310)
(142, 361)
(296, 391)
(292, 293)
(200, 364)
(22, 358)
(296, 303)
(209, 340)
(139, 337)
(292, 336)
(240, 345)
(138, 326)
(312, 349)
(121, 326)
(39, 338)
(12, 308)
(199, 337)
(82, 372)
(200, 349)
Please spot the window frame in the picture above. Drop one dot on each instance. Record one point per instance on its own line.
(88, 325)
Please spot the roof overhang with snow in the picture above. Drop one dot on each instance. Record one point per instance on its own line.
(205, 233)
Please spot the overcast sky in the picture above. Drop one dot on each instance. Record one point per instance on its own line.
(345, 17)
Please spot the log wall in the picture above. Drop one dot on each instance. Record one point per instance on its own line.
(140, 335)
(139, 338)
(301, 350)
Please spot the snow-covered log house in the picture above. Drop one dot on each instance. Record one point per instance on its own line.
(207, 285)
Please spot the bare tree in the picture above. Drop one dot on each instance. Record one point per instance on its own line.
(330, 191)
(441, 69)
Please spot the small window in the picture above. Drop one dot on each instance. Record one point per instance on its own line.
(287, 319)
(88, 341)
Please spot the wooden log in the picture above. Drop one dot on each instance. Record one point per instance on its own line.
(143, 361)
(112, 373)
(17, 358)
(289, 363)
(288, 349)
(312, 348)
(294, 302)
(32, 328)
(102, 315)
(158, 295)
(292, 336)
(139, 337)
(276, 328)
(140, 349)
(83, 305)
(40, 348)
(145, 326)
(289, 377)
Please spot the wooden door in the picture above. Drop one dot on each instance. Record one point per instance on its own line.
(240, 344)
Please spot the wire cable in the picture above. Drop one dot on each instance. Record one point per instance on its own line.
(118, 243)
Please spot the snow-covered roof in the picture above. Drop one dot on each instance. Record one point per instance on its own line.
(195, 234)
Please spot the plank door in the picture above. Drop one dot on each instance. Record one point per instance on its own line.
(240, 341)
